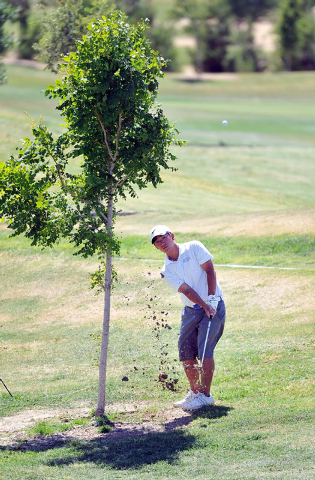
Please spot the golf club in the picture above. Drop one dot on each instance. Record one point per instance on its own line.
(197, 365)
(6, 387)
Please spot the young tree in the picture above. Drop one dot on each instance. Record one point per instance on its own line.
(107, 91)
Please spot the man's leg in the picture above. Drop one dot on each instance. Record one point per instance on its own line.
(215, 333)
(192, 374)
(206, 376)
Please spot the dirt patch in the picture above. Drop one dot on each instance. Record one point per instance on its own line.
(13, 429)
(21, 421)
(13, 60)
(188, 73)
(294, 222)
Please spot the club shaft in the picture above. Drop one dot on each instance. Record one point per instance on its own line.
(6, 387)
(206, 340)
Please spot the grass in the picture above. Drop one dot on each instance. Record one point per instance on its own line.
(295, 251)
(49, 427)
(251, 202)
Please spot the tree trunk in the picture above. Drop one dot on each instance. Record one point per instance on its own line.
(199, 52)
(105, 334)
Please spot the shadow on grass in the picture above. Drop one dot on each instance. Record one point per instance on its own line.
(132, 453)
(124, 447)
(212, 413)
(192, 80)
(140, 450)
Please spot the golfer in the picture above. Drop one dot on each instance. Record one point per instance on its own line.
(188, 269)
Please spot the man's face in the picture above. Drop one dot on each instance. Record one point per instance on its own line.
(164, 242)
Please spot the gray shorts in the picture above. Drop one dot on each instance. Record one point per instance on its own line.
(193, 331)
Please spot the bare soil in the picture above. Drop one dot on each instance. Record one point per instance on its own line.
(14, 430)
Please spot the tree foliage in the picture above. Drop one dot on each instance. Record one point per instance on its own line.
(296, 28)
(63, 26)
(251, 10)
(207, 19)
(6, 13)
(28, 30)
(220, 44)
(106, 92)
(161, 35)
(22, 8)
(136, 10)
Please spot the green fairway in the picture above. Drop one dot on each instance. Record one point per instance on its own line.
(261, 109)
(247, 192)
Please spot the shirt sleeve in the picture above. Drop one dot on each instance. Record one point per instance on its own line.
(201, 253)
(172, 280)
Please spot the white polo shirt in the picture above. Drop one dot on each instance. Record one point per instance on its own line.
(187, 269)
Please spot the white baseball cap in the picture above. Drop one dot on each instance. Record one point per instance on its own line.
(159, 230)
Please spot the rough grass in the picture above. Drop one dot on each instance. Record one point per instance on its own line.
(295, 251)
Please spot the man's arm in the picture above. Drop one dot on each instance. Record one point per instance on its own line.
(211, 276)
(193, 296)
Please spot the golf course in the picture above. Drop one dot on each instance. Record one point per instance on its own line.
(246, 190)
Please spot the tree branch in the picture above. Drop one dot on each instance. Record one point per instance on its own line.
(104, 217)
(62, 181)
(105, 134)
(122, 180)
(75, 197)
(117, 138)
(112, 157)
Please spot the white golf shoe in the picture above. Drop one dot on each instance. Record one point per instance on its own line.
(189, 397)
(198, 401)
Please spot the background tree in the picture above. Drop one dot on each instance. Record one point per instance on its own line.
(296, 28)
(136, 9)
(223, 32)
(106, 91)
(28, 28)
(214, 39)
(252, 9)
(23, 8)
(242, 54)
(197, 11)
(64, 25)
(161, 35)
(6, 13)
(306, 42)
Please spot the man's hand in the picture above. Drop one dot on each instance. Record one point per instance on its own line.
(193, 296)
(210, 311)
(213, 300)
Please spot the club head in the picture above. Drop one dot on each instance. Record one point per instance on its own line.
(198, 367)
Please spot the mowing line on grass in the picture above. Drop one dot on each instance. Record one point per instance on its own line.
(254, 266)
(215, 264)
(64, 394)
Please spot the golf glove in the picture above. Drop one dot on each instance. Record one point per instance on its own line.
(213, 301)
